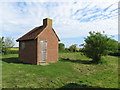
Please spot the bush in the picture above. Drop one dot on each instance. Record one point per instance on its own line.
(13, 52)
(5, 44)
(61, 47)
(73, 48)
(117, 52)
(98, 45)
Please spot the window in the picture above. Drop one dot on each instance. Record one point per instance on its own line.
(23, 45)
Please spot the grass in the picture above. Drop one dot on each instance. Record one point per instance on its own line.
(13, 48)
(72, 70)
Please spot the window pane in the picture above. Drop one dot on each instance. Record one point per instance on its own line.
(23, 45)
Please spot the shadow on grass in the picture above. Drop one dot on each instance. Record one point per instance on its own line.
(75, 85)
(77, 61)
(13, 60)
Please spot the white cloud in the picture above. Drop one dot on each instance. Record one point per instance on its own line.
(25, 16)
(81, 29)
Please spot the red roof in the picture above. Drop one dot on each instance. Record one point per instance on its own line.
(33, 34)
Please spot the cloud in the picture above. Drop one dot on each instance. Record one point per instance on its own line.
(71, 19)
(82, 29)
(96, 12)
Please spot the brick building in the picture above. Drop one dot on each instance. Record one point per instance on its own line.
(39, 45)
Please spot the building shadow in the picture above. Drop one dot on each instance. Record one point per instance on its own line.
(75, 85)
(11, 60)
(14, 60)
(77, 61)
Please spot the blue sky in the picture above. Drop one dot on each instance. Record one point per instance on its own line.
(72, 20)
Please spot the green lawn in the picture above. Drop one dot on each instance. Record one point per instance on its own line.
(13, 48)
(72, 70)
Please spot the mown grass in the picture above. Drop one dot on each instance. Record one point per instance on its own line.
(72, 71)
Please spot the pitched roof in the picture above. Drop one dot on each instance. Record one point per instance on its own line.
(33, 34)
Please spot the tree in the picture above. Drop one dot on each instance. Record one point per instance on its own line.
(9, 42)
(73, 47)
(61, 47)
(117, 51)
(1, 44)
(5, 44)
(67, 49)
(98, 45)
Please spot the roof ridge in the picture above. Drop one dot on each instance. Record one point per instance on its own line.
(25, 36)
(34, 33)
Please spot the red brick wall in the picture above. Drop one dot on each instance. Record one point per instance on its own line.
(52, 44)
(29, 53)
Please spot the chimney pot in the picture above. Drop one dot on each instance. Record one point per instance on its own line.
(47, 22)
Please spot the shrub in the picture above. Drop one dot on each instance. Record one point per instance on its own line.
(98, 45)
(5, 44)
(13, 52)
(73, 48)
(61, 47)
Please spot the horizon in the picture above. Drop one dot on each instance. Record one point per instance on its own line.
(72, 20)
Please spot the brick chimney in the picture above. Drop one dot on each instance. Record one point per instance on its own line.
(47, 22)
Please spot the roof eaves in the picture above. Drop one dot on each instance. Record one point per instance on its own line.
(56, 34)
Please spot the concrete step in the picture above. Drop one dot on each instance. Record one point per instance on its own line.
(43, 63)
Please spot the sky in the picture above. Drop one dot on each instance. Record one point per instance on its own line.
(72, 19)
